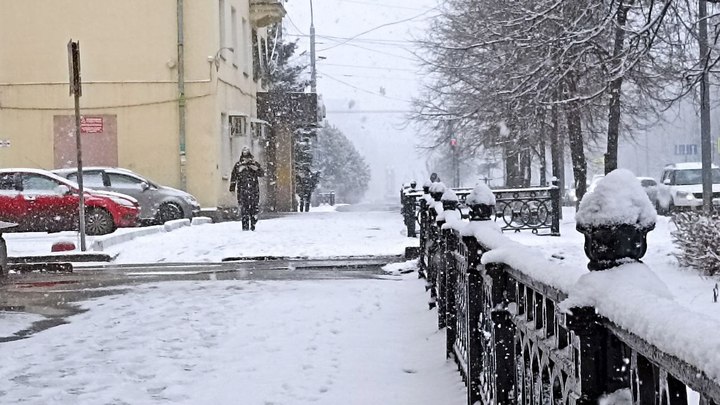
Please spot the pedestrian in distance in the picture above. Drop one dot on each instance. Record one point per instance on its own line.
(306, 184)
(244, 182)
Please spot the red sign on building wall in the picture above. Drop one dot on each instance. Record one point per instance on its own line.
(91, 125)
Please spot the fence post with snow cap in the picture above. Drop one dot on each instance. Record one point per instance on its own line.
(435, 255)
(423, 218)
(446, 302)
(523, 329)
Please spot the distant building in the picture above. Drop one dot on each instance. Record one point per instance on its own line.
(140, 111)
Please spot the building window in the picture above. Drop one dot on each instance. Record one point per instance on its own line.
(245, 47)
(234, 25)
(223, 43)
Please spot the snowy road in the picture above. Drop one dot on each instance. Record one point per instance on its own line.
(240, 342)
(291, 337)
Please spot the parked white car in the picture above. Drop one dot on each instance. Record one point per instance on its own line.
(682, 189)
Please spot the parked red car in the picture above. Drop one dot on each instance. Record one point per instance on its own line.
(40, 201)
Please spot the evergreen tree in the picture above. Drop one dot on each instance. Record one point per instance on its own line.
(285, 73)
(343, 169)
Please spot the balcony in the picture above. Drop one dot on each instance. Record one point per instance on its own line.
(266, 12)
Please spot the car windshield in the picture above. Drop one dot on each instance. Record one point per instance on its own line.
(694, 176)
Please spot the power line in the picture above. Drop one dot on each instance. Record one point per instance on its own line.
(381, 5)
(381, 26)
(371, 67)
(363, 90)
(369, 112)
(366, 40)
(380, 77)
(394, 55)
(296, 27)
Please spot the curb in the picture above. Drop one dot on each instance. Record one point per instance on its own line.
(60, 258)
(102, 243)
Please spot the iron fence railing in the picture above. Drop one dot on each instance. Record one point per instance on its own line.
(535, 209)
(512, 345)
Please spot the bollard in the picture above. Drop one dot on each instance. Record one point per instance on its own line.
(3, 248)
(3, 256)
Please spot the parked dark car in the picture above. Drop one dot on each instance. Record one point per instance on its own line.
(40, 201)
(158, 204)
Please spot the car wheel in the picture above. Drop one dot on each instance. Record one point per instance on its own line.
(169, 212)
(98, 222)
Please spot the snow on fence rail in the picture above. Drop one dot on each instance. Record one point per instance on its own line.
(533, 209)
(525, 330)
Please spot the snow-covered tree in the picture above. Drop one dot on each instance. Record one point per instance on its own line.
(528, 74)
(342, 168)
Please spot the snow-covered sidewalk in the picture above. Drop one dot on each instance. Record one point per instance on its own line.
(364, 342)
(317, 234)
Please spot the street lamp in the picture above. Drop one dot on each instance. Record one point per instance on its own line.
(313, 72)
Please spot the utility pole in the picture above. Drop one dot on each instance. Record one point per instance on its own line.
(705, 142)
(76, 90)
(313, 72)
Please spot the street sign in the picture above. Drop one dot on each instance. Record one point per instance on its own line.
(91, 125)
(74, 67)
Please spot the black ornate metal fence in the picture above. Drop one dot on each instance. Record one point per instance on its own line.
(512, 345)
(534, 209)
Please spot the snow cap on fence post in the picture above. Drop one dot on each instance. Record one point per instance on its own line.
(426, 187)
(481, 202)
(615, 219)
(449, 200)
(436, 190)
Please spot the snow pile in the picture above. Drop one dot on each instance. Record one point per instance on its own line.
(481, 194)
(593, 288)
(618, 199)
(449, 195)
(438, 187)
(453, 220)
(402, 267)
(530, 261)
(488, 234)
(619, 397)
(633, 297)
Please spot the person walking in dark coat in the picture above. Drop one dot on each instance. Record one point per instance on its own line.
(244, 181)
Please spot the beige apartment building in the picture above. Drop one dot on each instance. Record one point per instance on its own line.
(169, 86)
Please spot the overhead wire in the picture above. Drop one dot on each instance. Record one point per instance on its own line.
(379, 27)
(363, 90)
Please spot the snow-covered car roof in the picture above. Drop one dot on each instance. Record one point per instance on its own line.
(106, 168)
(687, 166)
(61, 179)
(39, 171)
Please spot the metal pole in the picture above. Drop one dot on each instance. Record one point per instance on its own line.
(76, 89)
(705, 142)
(181, 92)
(313, 71)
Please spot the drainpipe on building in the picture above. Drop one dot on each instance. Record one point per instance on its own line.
(181, 91)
